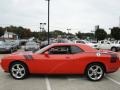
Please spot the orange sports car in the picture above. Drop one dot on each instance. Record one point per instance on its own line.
(62, 59)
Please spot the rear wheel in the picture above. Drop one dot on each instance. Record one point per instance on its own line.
(95, 72)
(18, 70)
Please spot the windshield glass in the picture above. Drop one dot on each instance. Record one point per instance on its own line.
(42, 50)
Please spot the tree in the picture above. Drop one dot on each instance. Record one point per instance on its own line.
(79, 34)
(115, 33)
(85, 35)
(56, 33)
(23, 33)
(100, 34)
(1, 31)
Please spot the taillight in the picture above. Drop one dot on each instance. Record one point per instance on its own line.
(114, 58)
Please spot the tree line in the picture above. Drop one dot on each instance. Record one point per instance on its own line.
(25, 33)
(101, 34)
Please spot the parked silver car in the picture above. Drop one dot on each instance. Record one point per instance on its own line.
(6, 47)
(31, 46)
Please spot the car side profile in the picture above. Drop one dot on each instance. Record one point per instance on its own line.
(104, 44)
(62, 58)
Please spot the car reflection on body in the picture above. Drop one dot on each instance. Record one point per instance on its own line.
(62, 58)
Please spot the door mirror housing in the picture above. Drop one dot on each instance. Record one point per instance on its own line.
(46, 54)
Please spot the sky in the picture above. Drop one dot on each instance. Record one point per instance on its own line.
(77, 15)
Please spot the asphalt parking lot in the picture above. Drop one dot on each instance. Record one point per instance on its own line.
(64, 82)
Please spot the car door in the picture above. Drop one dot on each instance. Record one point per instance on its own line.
(105, 45)
(57, 60)
(77, 60)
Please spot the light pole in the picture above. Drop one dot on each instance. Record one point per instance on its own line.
(42, 26)
(68, 30)
(68, 33)
(48, 21)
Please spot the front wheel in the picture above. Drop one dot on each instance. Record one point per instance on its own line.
(18, 70)
(95, 72)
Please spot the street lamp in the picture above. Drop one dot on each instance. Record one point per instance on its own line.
(42, 26)
(68, 33)
(68, 30)
(48, 21)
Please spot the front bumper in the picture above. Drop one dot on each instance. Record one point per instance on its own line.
(4, 50)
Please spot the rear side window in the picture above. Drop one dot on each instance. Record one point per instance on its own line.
(75, 50)
(59, 50)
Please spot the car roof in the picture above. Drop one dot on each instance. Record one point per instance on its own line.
(82, 46)
(65, 44)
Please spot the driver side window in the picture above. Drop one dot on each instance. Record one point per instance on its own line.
(59, 50)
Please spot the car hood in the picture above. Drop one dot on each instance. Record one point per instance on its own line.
(22, 53)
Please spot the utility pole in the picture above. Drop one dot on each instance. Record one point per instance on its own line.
(48, 21)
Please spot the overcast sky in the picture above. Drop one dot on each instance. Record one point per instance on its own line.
(79, 15)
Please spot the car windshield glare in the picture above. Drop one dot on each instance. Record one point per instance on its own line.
(42, 50)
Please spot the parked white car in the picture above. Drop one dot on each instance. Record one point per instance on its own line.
(31, 46)
(94, 45)
(104, 44)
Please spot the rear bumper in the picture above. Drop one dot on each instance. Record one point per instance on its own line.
(113, 67)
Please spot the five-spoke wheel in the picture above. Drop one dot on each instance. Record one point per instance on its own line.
(18, 70)
(95, 72)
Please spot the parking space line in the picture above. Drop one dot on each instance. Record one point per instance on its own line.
(47, 83)
(113, 80)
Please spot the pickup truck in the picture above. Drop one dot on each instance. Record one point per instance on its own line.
(104, 44)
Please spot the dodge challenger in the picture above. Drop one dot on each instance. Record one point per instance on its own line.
(62, 58)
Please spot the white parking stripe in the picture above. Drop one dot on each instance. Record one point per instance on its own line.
(47, 83)
(113, 80)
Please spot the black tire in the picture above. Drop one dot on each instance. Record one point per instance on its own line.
(94, 75)
(24, 70)
(114, 49)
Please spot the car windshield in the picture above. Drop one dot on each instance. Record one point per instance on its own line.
(42, 50)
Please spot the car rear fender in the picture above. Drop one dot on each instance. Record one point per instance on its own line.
(100, 63)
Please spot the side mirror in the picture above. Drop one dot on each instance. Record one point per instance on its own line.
(46, 54)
